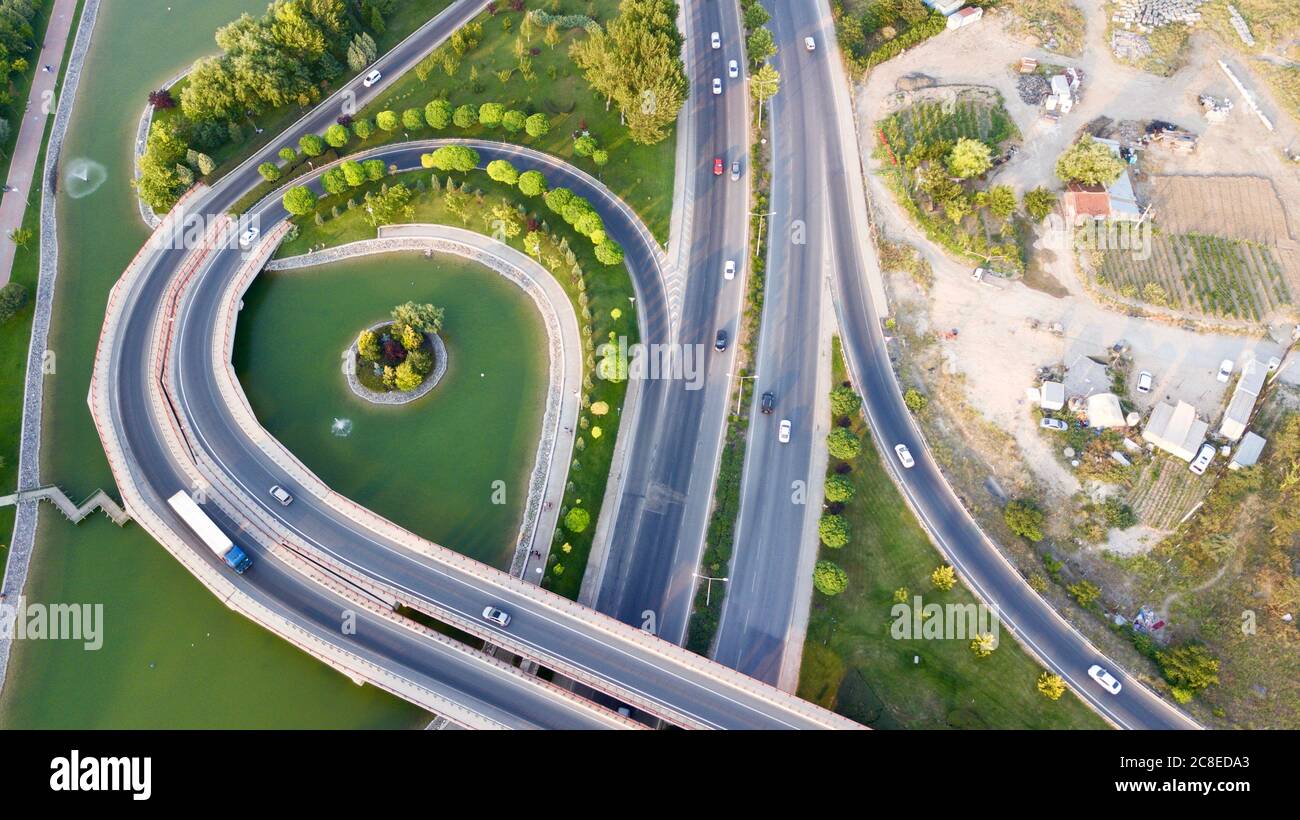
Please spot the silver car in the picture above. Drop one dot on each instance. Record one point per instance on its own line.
(497, 616)
(281, 494)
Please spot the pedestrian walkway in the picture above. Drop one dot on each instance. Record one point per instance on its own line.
(31, 130)
(98, 500)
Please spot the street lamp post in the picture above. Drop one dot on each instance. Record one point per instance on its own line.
(762, 217)
(740, 394)
(708, 591)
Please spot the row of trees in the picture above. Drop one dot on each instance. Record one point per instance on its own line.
(636, 64)
(844, 445)
(17, 38)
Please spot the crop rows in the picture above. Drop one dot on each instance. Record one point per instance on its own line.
(931, 121)
(1193, 272)
(1165, 492)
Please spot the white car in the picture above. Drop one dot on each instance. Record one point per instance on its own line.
(1053, 424)
(978, 274)
(729, 270)
(1105, 678)
(904, 456)
(248, 237)
(1145, 380)
(783, 432)
(717, 85)
(1203, 458)
(715, 40)
(810, 44)
(497, 616)
(371, 78)
(281, 494)
(733, 69)
(1225, 370)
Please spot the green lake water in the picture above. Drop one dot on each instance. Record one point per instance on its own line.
(430, 466)
(173, 656)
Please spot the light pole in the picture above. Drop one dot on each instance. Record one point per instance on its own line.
(708, 591)
(740, 394)
(762, 217)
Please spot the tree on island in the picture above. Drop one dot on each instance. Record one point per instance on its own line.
(424, 318)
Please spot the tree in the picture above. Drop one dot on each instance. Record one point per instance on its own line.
(584, 145)
(504, 220)
(915, 400)
(336, 135)
(465, 116)
(829, 578)
(1189, 668)
(368, 346)
(21, 236)
(844, 402)
(455, 158)
(438, 114)
(969, 158)
(363, 128)
(387, 120)
(557, 199)
(537, 125)
(1024, 519)
(405, 378)
(843, 444)
(311, 145)
(1039, 203)
(1089, 162)
(1002, 201)
(502, 171)
(425, 318)
(334, 181)
(532, 183)
(387, 207)
(577, 520)
(299, 200)
(833, 530)
(760, 45)
(1051, 686)
(412, 119)
(13, 296)
(353, 172)
(490, 113)
(375, 169)
(763, 85)
(600, 157)
(161, 99)
(513, 121)
(420, 360)
(839, 489)
(609, 252)
(944, 578)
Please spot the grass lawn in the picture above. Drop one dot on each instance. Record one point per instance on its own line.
(15, 335)
(405, 18)
(851, 663)
(607, 289)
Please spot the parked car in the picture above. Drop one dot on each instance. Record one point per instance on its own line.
(715, 40)
(371, 78)
(497, 616)
(810, 44)
(717, 85)
(769, 403)
(978, 274)
(717, 166)
(729, 269)
(1105, 678)
(1053, 424)
(904, 456)
(281, 494)
(1203, 458)
(783, 432)
(1145, 380)
(1225, 370)
(720, 341)
(735, 170)
(733, 69)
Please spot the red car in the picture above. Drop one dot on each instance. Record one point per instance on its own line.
(717, 166)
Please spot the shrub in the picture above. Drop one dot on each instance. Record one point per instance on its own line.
(336, 135)
(833, 530)
(577, 520)
(269, 171)
(839, 489)
(915, 400)
(502, 171)
(829, 578)
(13, 297)
(844, 402)
(1051, 686)
(944, 578)
(387, 120)
(843, 444)
(1024, 519)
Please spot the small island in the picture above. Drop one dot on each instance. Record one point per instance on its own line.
(400, 360)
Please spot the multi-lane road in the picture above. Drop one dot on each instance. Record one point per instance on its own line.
(657, 675)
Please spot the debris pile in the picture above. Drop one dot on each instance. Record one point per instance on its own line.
(1130, 46)
(1146, 15)
(1216, 109)
(1033, 88)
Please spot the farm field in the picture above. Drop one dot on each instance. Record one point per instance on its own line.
(1209, 275)
(1165, 492)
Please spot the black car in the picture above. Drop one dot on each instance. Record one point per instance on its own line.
(768, 403)
(720, 343)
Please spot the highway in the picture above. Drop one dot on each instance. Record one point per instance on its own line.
(757, 632)
(649, 575)
(822, 148)
(663, 678)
